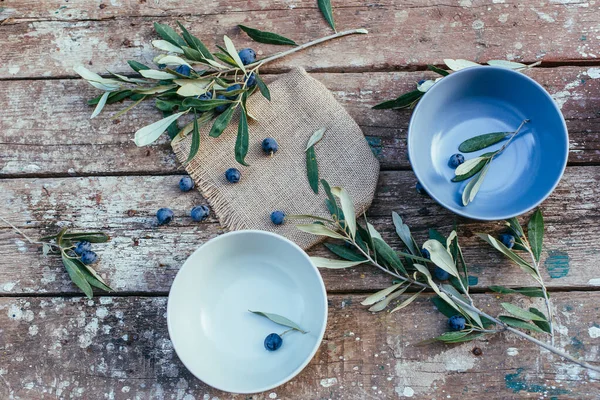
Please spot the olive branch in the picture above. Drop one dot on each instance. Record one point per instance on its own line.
(364, 245)
(64, 244)
(191, 79)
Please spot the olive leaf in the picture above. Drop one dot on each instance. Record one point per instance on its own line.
(325, 7)
(407, 301)
(317, 229)
(474, 170)
(312, 169)
(195, 146)
(403, 232)
(113, 97)
(375, 297)
(194, 42)
(387, 254)
(423, 270)
(154, 74)
(474, 185)
(315, 138)
(509, 253)
(437, 70)
(101, 104)
(543, 325)
(322, 262)
(516, 227)
(241, 143)
(262, 86)
(506, 64)
(526, 291)
(519, 323)
(440, 256)
(405, 100)
(168, 34)
(267, 37)
(344, 252)
(347, 208)
(167, 46)
(150, 133)
(77, 276)
(468, 165)
(233, 53)
(457, 65)
(382, 304)
(520, 313)
(137, 66)
(482, 141)
(221, 122)
(280, 320)
(443, 307)
(535, 233)
(473, 316)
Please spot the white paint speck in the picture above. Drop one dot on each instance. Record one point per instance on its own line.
(511, 351)
(478, 24)
(518, 45)
(543, 16)
(9, 286)
(101, 312)
(503, 18)
(89, 333)
(408, 392)
(125, 389)
(273, 395)
(594, 332)
(465, 3)
(14, 70)
(33, 330)
(21, 246)
(328, 382)
(594, 73)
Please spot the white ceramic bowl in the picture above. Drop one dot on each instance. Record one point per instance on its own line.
(213, 333)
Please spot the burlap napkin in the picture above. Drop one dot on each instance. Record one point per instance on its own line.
(299, 106)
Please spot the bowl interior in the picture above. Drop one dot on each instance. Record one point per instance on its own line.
(213, 333)
(481, 100)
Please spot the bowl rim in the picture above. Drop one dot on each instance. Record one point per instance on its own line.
(318, 342)
(464, 211)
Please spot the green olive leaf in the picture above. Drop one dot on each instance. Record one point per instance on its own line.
(474, 185)
(535, 233)
(312, 169)
(195, 146)
(437, 70)
(137, 66)
(519, 323)
(482, 141)
(315, 138)
(194, 42)
(347, 208)
(405, 100)
(262, 86)
(382, 304)
(322, 262)
(440, 256)
(77, 276)
(267, 37)
(325, 7)
(241, 143)
(543, 325)
(407, 301)
(150, 133)
(233, 53)
(280, 320)
(520, 313)
(168, 34)
(344, 252)
(322, 230)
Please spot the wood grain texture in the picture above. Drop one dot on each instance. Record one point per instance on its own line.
(119, 348)
(45, 126)
(145, 258)
(52, 38)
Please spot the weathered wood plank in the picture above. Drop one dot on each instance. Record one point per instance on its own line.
(400, 34)
(144, 257)
(45, 126)
(119, 348)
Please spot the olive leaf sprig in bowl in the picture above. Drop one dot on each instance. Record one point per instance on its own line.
(478, 167)
(410, 99)
(190, 79)
(75, 251)
(438, 265)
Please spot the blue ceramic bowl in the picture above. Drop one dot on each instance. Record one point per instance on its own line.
(480, 100)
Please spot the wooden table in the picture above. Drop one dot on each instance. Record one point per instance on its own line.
(58, 168)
